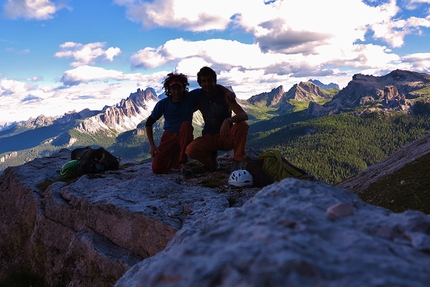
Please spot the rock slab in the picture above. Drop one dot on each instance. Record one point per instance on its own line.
(294, 233)
(90, 231)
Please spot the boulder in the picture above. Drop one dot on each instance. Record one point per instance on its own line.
(89, 231)
(294, 233)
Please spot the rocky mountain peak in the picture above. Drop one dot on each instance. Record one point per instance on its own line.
(306, 91)
(269, 99)
(39, 121)
(278, 98)
(140, 97)
(73, 116)
(402, 76)
(125, 115)
(391, 91)
(324, 86)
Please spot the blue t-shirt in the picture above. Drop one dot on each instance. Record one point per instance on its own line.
(176, 113)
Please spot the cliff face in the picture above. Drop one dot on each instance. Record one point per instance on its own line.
(392, 91)
(270, 99)
(132, 228)
(88, 232)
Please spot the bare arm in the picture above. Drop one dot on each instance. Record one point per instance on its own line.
(150, 134)
(240, 115)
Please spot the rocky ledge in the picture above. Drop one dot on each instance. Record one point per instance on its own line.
(89, 231)
(133, 228)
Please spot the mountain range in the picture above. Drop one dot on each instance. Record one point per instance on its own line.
(119, 128)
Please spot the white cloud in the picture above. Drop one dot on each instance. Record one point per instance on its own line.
(248, 61)
(9, 87)
(86, 54)
(192, 15)
(419, 62)
(414, 4)
(290, 26)
(292, 38)
(226, 52)
(29, 9)
(147, 58)
(86, 74)
(284, 26)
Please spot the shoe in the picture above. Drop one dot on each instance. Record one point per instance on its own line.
(215, 164)
(185, 170)
(235, 165)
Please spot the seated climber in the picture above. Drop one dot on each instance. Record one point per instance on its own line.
(177, 109)
(221, 131)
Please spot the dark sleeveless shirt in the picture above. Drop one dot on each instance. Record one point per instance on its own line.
(214, 110)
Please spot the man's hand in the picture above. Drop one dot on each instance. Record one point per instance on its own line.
(153, 150)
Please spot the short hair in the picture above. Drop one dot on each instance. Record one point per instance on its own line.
(183, 79)
(206, 71)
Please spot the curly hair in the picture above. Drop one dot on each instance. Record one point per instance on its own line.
(175, 76)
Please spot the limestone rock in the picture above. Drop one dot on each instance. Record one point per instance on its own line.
(89, 231)
(132, 228)
(284, 237)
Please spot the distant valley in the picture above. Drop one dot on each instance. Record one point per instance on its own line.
(329, 132)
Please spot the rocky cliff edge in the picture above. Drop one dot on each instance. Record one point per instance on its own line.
(133, 228)
(89, 231)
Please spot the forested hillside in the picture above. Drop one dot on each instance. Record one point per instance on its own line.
(335, 147)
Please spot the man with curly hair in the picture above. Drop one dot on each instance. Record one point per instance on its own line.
(177, 109)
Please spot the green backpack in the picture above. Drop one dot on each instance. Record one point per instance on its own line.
(277, 168)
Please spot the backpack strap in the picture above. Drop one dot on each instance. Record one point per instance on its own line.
(103, 157)
(278, 156)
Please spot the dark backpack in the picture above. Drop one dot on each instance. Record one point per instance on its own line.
(270, 166)
(95, 160)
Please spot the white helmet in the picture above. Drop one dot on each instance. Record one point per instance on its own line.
(240, 178)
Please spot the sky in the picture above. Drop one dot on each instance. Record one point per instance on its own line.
(68, 55)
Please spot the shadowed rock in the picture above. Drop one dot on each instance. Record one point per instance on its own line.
(89, 231)
(288, 235)
(133, 228)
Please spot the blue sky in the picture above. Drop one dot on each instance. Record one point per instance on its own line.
(59, 56)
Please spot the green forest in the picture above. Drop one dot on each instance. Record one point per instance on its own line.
(335, 147)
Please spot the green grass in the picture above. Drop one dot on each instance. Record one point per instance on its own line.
(214, 181)
(407, 188)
